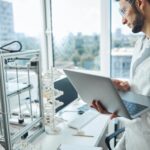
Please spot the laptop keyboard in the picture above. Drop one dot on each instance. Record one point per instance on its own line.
(133, 108)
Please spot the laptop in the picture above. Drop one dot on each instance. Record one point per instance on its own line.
(95, 87)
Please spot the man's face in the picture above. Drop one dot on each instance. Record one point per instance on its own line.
(132, 17)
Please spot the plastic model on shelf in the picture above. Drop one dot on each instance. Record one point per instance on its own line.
(50, 101)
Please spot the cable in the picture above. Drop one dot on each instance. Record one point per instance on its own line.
(11, 51)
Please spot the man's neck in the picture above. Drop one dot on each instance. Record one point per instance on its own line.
(146, 28)
(147, 21)
(147, 32)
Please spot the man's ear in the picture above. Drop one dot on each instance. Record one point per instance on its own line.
(140, 4)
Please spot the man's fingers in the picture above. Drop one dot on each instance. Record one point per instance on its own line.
(98, 106)
(101, 105)
(121, 85)
(102, 108)
(94, 105)
(124, 86)
(114, 115)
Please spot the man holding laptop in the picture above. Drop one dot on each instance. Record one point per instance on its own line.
(136, 15)
(94, 86)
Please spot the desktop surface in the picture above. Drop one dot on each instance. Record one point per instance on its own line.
(96, 128)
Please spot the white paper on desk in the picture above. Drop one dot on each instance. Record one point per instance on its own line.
(75, 147)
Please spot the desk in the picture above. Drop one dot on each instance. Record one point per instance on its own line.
(96, 128)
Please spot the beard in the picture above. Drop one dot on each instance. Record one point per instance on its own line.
(139, 22)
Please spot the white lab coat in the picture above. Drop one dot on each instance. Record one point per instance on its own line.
(137, 131)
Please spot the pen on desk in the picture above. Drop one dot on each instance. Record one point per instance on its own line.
(58, 148)
(83, 135)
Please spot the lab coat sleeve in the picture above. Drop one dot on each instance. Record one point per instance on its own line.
(121, 144)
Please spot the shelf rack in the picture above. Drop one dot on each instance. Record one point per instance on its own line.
(20, 80)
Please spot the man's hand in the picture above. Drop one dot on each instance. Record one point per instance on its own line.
(121, 85)
(102, 109)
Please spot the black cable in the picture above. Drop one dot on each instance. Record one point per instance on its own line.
(11, 51)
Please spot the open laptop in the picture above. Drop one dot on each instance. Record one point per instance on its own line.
(91, 86)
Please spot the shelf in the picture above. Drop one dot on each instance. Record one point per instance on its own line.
(17, 88)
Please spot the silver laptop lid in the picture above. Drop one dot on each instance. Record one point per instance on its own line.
(90, 86)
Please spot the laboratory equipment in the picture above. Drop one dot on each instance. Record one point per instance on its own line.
(51, 103)
(21, 104)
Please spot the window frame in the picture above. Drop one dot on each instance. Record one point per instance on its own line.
(47, 43)
(105, 49)
(105, 37)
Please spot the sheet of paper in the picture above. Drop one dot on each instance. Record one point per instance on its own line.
(75, 147)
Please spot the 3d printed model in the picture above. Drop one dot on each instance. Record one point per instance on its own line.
(50, 95)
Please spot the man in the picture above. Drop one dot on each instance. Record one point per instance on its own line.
(136, 15)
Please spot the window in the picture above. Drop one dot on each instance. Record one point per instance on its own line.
(123, 42)
(21, 20)
(76, 33)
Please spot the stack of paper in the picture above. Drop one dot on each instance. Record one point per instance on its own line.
(75, 147)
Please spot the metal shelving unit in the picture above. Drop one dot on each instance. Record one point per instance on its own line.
(21, 104)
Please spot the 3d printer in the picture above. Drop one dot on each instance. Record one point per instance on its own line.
(21, 105)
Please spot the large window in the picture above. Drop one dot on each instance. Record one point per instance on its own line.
(76, 33)
(122, 45)
(21, 20)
